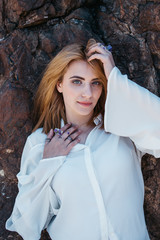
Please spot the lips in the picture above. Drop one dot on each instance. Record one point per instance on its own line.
(86, 104)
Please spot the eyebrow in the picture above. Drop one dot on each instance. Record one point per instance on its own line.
(83, 78)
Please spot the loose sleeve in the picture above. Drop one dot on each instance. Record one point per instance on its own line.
(36, 202)
(132, 111)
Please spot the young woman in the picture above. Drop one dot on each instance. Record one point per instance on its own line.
(80, 175)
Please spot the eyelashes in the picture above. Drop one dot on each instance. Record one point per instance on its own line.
(97, 83)
(79, 82)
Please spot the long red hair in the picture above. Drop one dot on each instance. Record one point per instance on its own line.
(48, 104)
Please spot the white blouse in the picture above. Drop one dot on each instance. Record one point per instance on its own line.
(96, 192)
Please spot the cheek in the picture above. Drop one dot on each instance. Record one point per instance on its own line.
(69, 93)
(73, 91)
(98, 93)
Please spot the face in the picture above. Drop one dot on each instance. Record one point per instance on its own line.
(81, 90)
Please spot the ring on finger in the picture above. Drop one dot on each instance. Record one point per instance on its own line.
(48, 140)
(58, 131)
(109, 47)
(101, 45)
(69, 138)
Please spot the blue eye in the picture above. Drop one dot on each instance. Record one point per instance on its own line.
(78, 82)
(96, 83)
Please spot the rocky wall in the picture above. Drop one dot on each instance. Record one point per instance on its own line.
(31, 33)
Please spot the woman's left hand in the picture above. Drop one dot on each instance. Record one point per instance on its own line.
(100, 52)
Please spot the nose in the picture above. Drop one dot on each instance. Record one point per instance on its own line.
(87, 91)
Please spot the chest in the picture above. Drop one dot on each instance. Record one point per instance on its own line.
(113, 160)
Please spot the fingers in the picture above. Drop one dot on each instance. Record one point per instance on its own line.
(100, 52)
(65, 127)
(75, 134)
(98, 48)
(58, 133)
(73, 137)
(72, 144)
(65, 135)
(96, 56)
(62, 142)
(49, 136)
(68, 132)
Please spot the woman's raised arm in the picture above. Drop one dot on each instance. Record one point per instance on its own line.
(133, 111)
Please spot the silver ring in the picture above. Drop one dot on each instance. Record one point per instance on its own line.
(48, 140)
(69, 138)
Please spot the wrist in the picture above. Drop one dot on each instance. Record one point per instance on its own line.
(108, 70)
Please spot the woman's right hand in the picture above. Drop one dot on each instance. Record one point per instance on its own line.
(61, 145)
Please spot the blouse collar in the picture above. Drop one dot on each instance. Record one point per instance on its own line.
(97, 120)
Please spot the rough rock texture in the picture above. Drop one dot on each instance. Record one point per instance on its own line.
(31, 33)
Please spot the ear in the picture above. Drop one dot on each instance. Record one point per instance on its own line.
(59, 87)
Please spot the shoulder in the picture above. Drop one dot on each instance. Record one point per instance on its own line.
(33, 151)
(37, 137)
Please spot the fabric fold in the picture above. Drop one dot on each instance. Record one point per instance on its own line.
(36, 199)
(132, 111)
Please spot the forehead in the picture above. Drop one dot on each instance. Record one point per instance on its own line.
(80, 68)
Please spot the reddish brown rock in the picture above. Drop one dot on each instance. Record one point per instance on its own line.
(132, 53)
(38, 16)
(151, 172)
(1, 20)
(31, 33)
(153, 41)
(149, 17)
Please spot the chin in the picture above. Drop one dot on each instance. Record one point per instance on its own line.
(85, 113)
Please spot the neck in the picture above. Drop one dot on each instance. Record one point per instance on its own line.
(81, 122)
